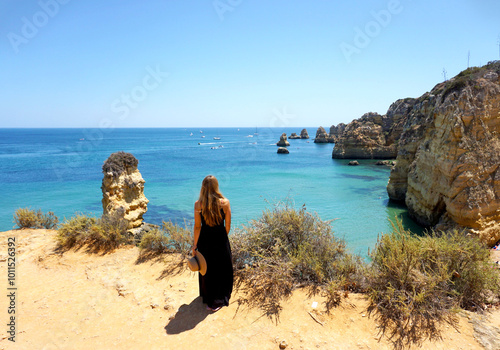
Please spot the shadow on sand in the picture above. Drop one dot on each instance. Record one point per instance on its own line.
(187, 317)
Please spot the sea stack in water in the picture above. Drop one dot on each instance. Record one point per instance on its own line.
(304, 134)
(283, 142)
(294, 136)
(283, 150)
(322, 136)
(123, 189)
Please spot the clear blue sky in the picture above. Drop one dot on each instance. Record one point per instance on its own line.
(176, 63)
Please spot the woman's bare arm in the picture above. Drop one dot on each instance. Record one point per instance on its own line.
(227, 211)
(197, 225)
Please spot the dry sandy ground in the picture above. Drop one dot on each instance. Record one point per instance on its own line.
(80, 300)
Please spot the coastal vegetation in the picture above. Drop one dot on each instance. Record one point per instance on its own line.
(169, 238)
(98, 234)
(28, 218)
(414, 284)
(288, 248)
(118, 162)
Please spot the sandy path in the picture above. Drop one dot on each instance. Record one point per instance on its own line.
(79, 300)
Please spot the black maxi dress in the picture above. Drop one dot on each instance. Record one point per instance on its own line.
(217, 284)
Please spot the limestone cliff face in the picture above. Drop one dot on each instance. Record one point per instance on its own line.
(373, 136)
(336, 131)
(123, 189)
(448, 158)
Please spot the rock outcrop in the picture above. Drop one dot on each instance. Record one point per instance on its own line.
(322, 136)
(283, 150)
(303, 135)
(373, 136)
(283, 142)
(448, 155)
(123, 189)
(336, 131)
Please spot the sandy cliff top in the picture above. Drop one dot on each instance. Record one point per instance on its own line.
(79, 300)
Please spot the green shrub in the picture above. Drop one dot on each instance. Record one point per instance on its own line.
(109, 232)
(75, 231)
(171, 238)
(105, 233)
(27, 218)
(416, 283)
(288, 248)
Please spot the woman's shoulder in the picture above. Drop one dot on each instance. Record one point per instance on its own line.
(224, 202)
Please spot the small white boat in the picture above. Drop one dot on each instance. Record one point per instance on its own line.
(250, 136)
(203, 137)
(191, 134)
(216, 138)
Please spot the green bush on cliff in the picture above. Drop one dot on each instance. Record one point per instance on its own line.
(27, 218)
(104, 233)
(416, 283)
(289, 248)
(170, 238)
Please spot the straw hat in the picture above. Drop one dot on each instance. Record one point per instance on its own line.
(198, 263)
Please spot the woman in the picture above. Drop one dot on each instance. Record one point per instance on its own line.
(212, 222)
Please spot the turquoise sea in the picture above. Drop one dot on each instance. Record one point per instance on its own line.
(59, 170)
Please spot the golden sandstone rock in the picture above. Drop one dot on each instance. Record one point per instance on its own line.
(449, 155)
(123, 189)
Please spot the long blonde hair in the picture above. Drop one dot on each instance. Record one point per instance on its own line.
(210, 200)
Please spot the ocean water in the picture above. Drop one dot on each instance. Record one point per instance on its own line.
(60, 170)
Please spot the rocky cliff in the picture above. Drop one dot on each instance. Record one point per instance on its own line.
(373, 136)
(123, 189)
(448, 155)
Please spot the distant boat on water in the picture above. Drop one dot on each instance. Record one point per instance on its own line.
(191, 134)
(216, 138)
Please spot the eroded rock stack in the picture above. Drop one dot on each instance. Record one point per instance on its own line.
(322, 136)
(304, 134)
(447, 166)
(293, 136)
(123, 189)
(283, 142)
